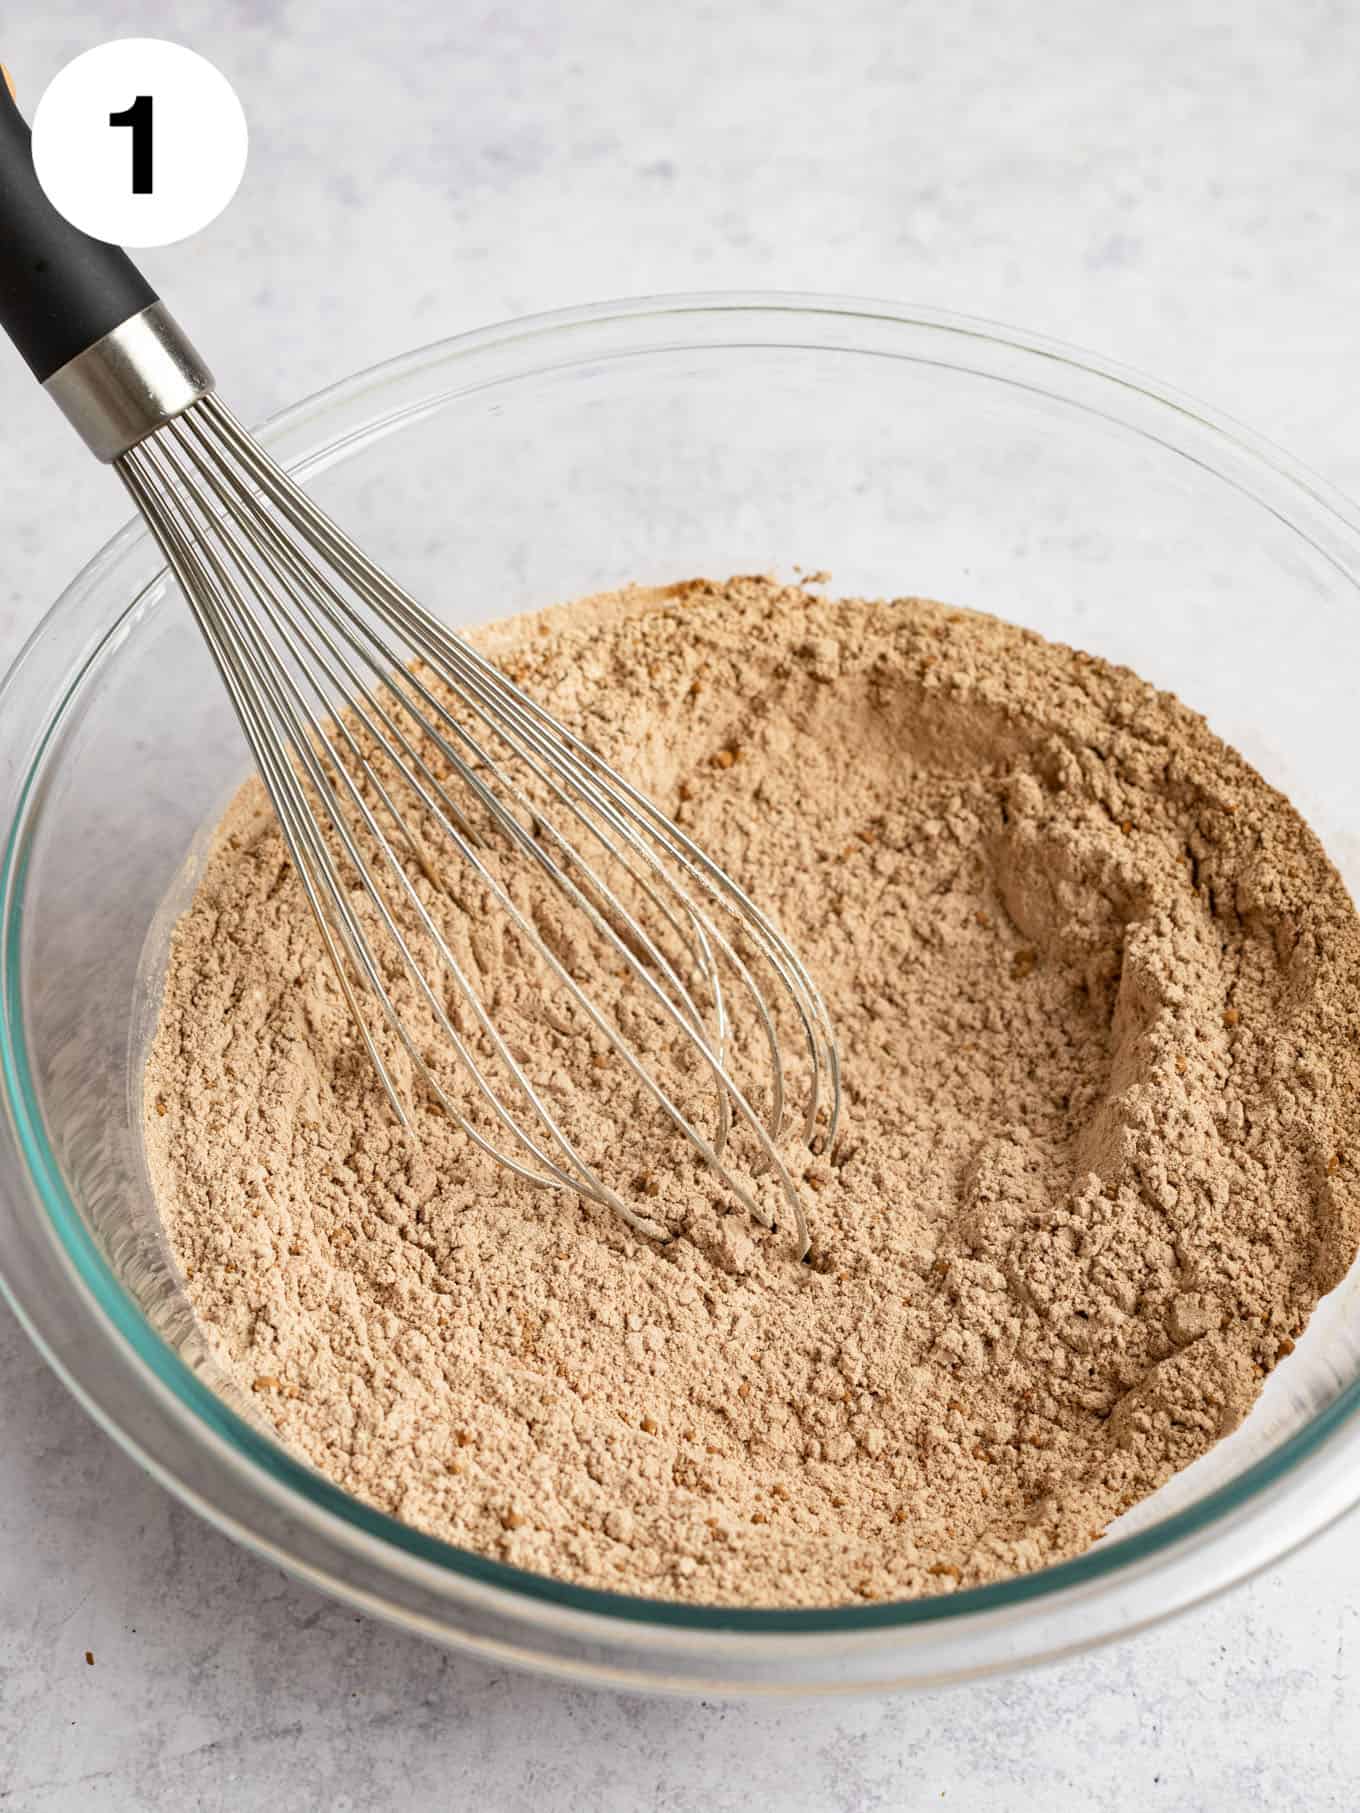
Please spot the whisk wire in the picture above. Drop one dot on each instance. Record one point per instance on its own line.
(323, 597)
(277, 611)
(267, 600)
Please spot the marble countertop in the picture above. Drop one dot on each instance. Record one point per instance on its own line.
(1175, 187)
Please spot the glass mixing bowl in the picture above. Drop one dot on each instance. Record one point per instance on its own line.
(655, 440)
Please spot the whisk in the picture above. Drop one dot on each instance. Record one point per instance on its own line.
(401, 764)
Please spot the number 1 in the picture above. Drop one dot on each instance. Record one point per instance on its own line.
(138, 117)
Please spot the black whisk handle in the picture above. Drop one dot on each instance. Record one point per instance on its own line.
(60, 290)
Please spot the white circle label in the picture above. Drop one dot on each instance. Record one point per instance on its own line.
(140, 142)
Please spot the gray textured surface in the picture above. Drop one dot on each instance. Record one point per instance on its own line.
(1172, 186)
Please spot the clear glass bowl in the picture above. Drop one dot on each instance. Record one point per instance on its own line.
(653, 441)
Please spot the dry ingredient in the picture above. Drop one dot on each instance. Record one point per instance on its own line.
(1096, 986)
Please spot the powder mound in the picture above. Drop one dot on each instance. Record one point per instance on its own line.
(1096, 987)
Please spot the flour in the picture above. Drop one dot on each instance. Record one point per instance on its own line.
(1096, 988)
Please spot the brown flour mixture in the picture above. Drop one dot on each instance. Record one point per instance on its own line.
(1096, 987)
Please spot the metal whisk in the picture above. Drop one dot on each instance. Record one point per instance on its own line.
(402, 764)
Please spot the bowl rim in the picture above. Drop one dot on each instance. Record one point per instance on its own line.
(272, 1466)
